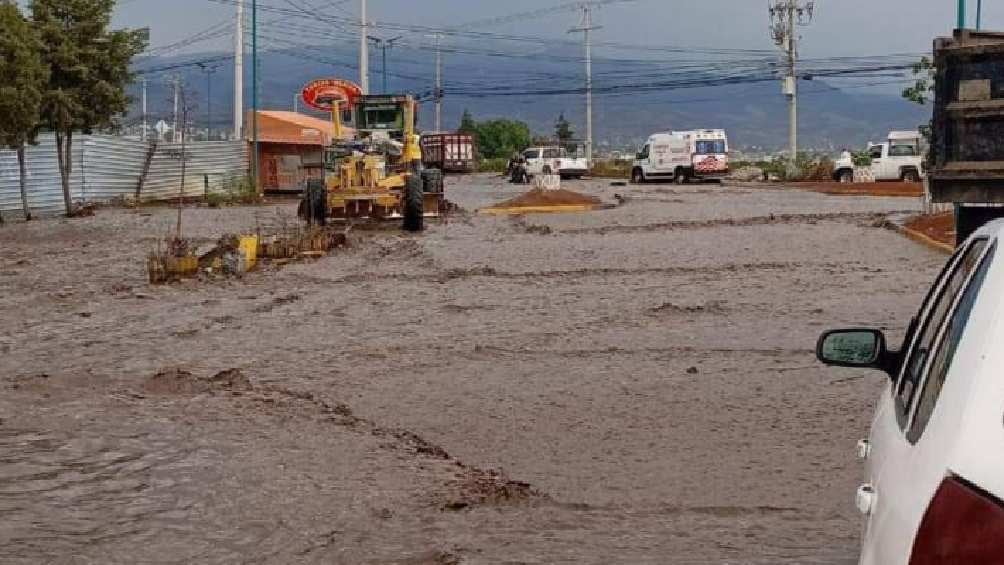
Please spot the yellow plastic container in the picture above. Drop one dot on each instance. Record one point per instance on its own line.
(249, 248)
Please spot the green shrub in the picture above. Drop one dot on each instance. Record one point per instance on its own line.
(235, 190)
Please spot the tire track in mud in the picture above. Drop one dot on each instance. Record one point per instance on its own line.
(867, 219)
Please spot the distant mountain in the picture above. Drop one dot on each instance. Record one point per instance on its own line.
(755, 114)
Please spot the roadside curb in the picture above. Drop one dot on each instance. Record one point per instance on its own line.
(899, 224)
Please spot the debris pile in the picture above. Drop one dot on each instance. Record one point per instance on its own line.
(542, 201)
(172, 261)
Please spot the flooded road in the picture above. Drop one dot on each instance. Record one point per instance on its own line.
(635, 385)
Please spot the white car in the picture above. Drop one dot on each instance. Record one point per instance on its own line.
(934, 487)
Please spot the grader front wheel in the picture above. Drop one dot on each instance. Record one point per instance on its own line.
(414, 205)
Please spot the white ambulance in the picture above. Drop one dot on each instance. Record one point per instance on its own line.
(681, 156)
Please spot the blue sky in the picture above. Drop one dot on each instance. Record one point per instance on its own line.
(842, 27)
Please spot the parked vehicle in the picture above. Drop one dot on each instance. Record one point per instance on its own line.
(681, 156)
(934, 489)
(900, 158)
(450, 152)
(554, 160)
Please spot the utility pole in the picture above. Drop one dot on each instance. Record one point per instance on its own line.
(239, 72)
(254, 90)
(145, 125)
(174, 125)
(296, 103)
(979, 15)
(962, 15)
(586, 28)
(439, 83)
(364, 49)
(786, 16)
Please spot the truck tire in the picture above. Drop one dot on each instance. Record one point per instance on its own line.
(413, 207)
(845, 176)
(680, 176)
(432, 181)
(637, 176)
(909, 175)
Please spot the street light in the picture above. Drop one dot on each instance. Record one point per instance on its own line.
(384, 44)
(209, 70)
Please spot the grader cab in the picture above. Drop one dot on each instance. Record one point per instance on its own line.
(378, 175)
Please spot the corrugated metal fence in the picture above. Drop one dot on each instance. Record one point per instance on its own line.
(107, 168)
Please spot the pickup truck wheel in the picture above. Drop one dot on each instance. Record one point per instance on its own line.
(846, 176)
(910, 175)
(637, 176)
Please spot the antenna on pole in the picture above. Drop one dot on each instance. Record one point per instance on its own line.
(785, 18)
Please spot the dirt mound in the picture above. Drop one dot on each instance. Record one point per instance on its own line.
(476, 487)
(171, 382)
(895, 189)
(939, 227)
(559, 197)
(232, 380)
(175, 381)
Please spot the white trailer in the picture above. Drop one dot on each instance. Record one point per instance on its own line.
(683, 155)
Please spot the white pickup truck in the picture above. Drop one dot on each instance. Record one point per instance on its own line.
(554, 161)
(899, 158)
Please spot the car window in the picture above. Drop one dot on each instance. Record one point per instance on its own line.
(923, 344)
(644, 153)
(903, 151)
(876, 152)
(552, 153)
(531, 154)
(944, 354)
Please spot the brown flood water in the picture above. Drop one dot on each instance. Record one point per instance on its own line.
(633, 386)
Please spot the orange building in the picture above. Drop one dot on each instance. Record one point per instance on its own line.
(291, 148)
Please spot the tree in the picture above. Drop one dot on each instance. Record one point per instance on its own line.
(921, 90)
(22, 78)
(497, 139)
(467, 123)
(563, 131)
(89, 72)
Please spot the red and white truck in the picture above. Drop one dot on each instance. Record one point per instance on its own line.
(450, 152)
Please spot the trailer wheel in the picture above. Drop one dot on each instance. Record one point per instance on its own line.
(414, 205)
(910, 175)
(638, 176)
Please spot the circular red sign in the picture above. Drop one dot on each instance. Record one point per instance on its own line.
(321, 94)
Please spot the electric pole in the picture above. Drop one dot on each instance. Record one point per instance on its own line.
(786, 16)
(364, 50)
(254, 90)
(586, 28)
(962, 15)
(439, 83)
(145, 125)
(239, 72)
(174, 125)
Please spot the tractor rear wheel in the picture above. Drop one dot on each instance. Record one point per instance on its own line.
(314, 205)
(414, 205)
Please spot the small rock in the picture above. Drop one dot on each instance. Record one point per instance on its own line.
(692, 371)
(85, 314)
(141, 296)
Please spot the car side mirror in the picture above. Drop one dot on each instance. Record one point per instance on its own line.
(864, 349)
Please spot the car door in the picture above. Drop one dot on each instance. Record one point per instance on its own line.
(533, 162)
(895, 479)
(879, 162)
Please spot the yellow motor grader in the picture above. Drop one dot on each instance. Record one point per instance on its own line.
(377, 175)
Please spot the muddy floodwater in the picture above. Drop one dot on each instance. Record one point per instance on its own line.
(635, 385)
